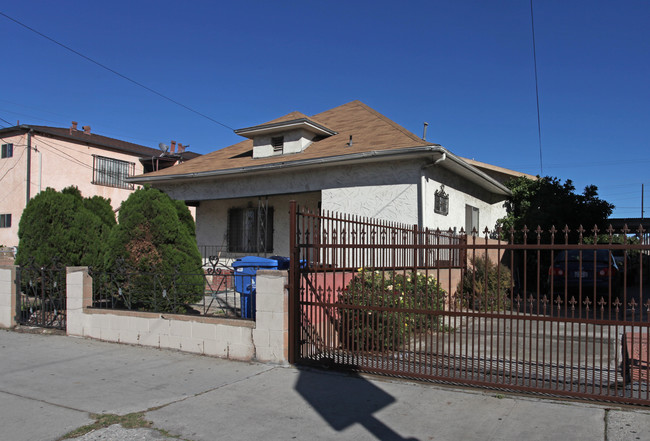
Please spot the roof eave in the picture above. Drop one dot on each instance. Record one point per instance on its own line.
(250, 132)
(466, 169)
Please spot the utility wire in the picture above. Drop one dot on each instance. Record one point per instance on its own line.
(116, 72)
(6, 122)
(539, 125)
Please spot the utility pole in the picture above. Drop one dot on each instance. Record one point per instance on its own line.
(29, 166)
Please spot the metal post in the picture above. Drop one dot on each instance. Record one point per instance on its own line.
(294, 282)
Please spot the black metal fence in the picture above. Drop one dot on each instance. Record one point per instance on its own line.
(41, 295)
(210, 291)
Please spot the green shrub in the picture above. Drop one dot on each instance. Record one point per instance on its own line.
(156, 235)
(65, 226)
(384, 314)
(485, 286)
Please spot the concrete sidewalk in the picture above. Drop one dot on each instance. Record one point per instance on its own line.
(51, 385)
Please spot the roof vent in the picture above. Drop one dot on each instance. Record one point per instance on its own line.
(86, 130)
(73, 127)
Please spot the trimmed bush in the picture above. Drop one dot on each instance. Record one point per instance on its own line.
(65, 226)
(156, 235)
(485, 286)
(384, 309)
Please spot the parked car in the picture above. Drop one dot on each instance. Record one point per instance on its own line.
(589, 269)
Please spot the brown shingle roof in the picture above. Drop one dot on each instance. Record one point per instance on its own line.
(370, 130)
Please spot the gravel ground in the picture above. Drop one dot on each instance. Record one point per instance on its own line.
(118, 433)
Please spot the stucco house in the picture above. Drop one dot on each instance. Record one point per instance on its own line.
(37, 157)
(349, 159)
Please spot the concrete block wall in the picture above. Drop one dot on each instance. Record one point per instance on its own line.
(7, 296)
(265, 340)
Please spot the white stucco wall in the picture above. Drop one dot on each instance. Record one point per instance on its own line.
(397, 203)
(461, 192)
(295, 141)
(392, 191)
(295, 181)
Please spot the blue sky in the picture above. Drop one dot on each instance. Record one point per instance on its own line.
(465, 67)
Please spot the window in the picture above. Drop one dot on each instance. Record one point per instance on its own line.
(471, 219)
(7, 150)
(278, 144)
(250, 230)
(5, 220)
(112, 172)
(441, 204)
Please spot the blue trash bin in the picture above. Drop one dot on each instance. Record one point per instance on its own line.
(245, 270)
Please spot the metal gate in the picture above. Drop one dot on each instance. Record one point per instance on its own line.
(41, 296)
(548, 315)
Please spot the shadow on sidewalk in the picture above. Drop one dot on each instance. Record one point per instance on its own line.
(344, 400)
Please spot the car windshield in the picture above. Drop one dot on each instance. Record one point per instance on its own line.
(587, 256)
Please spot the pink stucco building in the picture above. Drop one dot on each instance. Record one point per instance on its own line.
(36, 157)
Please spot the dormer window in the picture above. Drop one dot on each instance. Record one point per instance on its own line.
(285, 137)
(278, 144)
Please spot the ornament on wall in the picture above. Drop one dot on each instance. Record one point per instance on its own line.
(441, 204)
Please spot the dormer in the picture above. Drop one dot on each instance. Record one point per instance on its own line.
(284, 137)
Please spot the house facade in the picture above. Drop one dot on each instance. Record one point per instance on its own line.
(36, 157)
(349, 159)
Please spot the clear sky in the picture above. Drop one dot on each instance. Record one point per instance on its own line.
(465, 67)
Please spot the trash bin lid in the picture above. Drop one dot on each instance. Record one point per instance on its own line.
(249, 261)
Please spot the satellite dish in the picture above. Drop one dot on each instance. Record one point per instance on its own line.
(163, 147)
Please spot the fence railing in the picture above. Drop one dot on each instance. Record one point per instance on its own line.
(545, 311)
(348, 242)
(41, 295)
(208, 291)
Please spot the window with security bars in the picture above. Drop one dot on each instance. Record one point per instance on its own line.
(5, 220)
(112, 172)
(250, 230)
(7, 150)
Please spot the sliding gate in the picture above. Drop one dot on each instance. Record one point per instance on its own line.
(391, 299)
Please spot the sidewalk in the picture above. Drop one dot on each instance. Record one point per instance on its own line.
(51, 385)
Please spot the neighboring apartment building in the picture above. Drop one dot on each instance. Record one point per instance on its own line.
(36, 157)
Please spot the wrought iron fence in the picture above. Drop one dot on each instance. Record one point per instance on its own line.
(41, 295)
(546, 312)
(209, 291)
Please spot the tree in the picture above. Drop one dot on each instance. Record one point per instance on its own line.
(548, 202)
(156, 235)
(66, 226)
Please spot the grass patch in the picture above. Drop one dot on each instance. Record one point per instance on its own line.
(130, 421)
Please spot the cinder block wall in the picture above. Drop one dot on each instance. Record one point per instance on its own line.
(263, 340)
(7, 296)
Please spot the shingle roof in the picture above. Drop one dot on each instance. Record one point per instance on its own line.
(370, 131)
(92, 138)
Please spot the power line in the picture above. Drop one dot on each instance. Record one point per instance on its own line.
(539, 125)
(13, 166)
(116, 72)
(6, 122)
